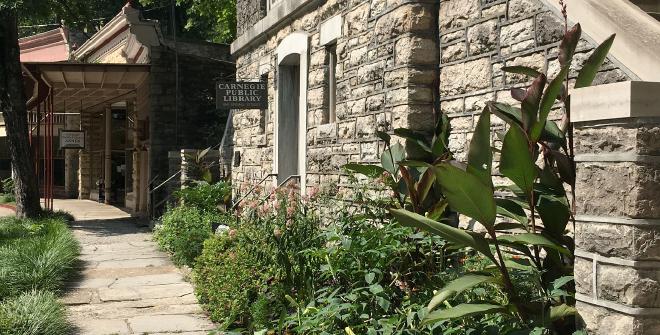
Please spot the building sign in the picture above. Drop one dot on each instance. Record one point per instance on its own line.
(72, 139)
(241, 95)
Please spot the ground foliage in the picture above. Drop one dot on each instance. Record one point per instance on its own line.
(185, 226)
(36, 257)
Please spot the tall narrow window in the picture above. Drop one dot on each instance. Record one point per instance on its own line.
(332, 82)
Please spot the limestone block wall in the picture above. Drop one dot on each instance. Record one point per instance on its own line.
(479, 37)
(249, 12)
(617, 265)
(387, 56)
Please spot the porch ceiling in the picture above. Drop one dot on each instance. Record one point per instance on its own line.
(89, 87)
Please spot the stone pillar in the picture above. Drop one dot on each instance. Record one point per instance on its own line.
(107, 178)
(71, 160)
(617, 266)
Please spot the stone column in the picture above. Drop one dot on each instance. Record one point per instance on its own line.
(107, 178)
(617, 266)
(71, 160)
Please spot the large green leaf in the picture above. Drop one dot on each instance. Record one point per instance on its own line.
(390, 158)
(461, 311)
(457, 286)
(524, 70)
(530, 104)
(593, 64)
(516, 162)
(513, 116)
(533, 239)
(459, 237)
(480, 157)
(512, 210)
(554, 212)
(369, 170)
(568, 45)
(562, 311)
(467, 194)
(425, 183)
(551, 93)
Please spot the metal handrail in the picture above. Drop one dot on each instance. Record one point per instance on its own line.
(240, 199)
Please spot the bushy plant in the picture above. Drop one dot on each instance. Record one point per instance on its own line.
(245, 272)
(35, 255)
(535, 204)
(183, 230)
(374, 277)
(7, 186)
(205, 196)
(33, 313)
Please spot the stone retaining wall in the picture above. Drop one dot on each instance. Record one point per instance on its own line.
(617, 268)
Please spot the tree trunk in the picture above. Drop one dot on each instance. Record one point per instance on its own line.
(14, 111)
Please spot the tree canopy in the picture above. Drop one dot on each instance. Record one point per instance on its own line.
(210, 20)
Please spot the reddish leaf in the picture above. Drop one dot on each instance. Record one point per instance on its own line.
(518, 94)
(568, 44)
(530, 104)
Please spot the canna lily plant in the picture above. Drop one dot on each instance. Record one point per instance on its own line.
(526, 221)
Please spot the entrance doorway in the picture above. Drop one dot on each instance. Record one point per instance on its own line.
(288, 118)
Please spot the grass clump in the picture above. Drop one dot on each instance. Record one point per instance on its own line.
(35, 255)
(33, 313)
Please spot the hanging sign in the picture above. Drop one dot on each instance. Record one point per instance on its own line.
(241, 95)
(72, 139)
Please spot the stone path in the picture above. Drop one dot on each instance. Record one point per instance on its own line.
(127, 286)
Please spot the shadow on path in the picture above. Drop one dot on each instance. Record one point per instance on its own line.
(125, 284)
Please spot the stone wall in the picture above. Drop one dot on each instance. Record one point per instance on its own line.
(396, 62)
(387, 59)
(248, 12)
(478, 38)
(617, 265)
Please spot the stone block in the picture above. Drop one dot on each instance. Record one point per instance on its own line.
(606, 239)
(602, 321)
(453, 52)
(482, 37)
(623, 189)
(583, 272)
(404, 19)
(549, 28)
(516, 32)
(451, 37)
(457, 13)
(465, 77)
(629, 286)
(415, 50)
(521, 8)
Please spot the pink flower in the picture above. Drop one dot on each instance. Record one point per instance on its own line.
(290, 210)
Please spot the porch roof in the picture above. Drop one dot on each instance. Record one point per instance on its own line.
(85, 86)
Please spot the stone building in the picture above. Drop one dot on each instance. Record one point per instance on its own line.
(137, 95)
(339, 70)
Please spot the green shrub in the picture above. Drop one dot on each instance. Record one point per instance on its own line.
(205, 196)
(33, 313)
(7, 186)
(183, 231)
(7, 198)
(245, 274)
(35, 255)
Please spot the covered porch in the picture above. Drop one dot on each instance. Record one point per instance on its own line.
(109, 103)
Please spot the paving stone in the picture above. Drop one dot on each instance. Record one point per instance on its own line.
(168, 323)
(103, 327)
(127, 285)
(160, 279)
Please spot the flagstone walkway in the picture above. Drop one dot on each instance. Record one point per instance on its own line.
(126, 285)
